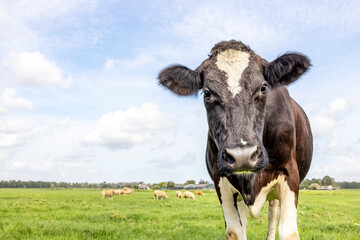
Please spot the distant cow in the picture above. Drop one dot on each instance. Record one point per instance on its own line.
(108, 193)
(198, 192)
(188, 194)
(178, 194)
(259, 138)
(159, 194)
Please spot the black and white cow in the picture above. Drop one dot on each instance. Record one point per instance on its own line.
(259, 144)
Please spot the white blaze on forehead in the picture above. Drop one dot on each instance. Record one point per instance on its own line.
(233, 63)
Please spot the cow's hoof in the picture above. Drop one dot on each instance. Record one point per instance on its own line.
(230, 235)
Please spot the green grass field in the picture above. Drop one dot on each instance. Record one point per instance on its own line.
(82, 214)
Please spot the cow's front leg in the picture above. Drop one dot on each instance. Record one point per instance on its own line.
(235, 225)
(273, 216)
(288, 211)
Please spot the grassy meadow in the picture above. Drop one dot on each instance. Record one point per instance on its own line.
(82, 214)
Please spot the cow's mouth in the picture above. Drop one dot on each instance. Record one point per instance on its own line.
(243, 172)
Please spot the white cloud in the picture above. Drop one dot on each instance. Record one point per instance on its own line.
(109, 64)
(32, 68)
(10, 100)
(24, 24)
(16, 132)
(263, 25)
(45, 166)
(11, 140)
(3, 111)
(335, 107)
(139, 61)
(12, 126)
(344, 168)
(323, 123)
(119, 129)
(168, 163)
(201, 27)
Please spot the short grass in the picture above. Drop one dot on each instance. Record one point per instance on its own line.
(82, 214)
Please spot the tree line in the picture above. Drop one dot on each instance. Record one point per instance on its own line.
(327, 181)
(45, 184)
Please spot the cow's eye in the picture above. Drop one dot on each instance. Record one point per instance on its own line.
(207, 94)
(263, 88)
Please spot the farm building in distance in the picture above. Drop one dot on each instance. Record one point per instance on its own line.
(143, 186)
(316, 186)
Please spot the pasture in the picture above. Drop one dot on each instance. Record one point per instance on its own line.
(82, 214)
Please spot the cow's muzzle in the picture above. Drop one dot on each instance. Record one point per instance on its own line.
(240, 159)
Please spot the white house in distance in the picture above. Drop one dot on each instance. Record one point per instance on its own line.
(143, 186)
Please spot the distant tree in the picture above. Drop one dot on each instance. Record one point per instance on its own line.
(189, 182)
(349, 185)
(326, 181)
(155, 186)
(103, 185)
(315, 180)
(170, 184)
(203, 182)
(305, 184)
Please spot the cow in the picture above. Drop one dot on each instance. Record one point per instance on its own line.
(259, 141)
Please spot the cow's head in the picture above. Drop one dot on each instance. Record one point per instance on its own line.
(234, 82)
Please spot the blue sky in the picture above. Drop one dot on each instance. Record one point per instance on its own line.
(79, 99)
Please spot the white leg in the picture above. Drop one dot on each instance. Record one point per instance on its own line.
(243, 218)
(273, 216)
(234, 226)
(288, 212)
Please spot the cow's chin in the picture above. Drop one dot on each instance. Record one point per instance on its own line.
(226, 170)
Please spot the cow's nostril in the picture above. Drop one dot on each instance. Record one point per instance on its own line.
(256, 154)
(228, 158)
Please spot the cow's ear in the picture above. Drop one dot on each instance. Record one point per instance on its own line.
(181, 80)
(286, 69)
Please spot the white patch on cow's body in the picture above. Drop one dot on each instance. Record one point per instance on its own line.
(233, 63)
(231, 215)
(288, 211)
(260, 199)
(242, 208)
(273, 216)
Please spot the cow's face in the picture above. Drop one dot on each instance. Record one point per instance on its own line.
(234, 82)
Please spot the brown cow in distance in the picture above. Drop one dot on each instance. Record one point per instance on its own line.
(259, 140)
